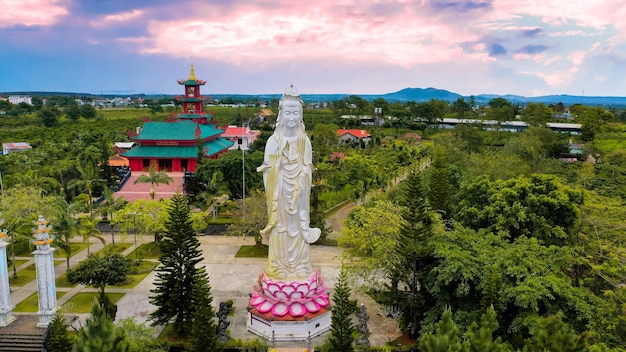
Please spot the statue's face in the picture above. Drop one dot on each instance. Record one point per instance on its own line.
(291, 115)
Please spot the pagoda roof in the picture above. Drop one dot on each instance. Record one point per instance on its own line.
(176, 131)
(192, 80)
(209, 148)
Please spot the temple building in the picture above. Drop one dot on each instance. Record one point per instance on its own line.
(175, 145)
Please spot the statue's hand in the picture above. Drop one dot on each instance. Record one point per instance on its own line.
(297, 191)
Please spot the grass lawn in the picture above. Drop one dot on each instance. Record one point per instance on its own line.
(138, 273)
(63, 282)
(31, 304)
(82, 301)
(117, 248)
(148, 250)
(174, 340)
(18, 263)
(75, 247)
(252, 251)
(24, 276)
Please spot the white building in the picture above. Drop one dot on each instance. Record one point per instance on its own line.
(16, 99)
(241, 136)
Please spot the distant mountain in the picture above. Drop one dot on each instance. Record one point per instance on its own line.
(407, 94)
(421, 95)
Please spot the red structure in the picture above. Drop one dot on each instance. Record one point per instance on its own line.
(177, 144)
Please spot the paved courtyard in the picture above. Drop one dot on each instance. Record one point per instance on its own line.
(230, 278)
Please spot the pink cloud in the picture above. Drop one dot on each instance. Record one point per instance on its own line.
(117, 18)
(31, 12)
(350, 30)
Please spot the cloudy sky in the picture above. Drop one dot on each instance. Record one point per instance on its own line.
(525, 47)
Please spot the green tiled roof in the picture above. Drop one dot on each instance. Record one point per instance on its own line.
(215, 146)
(176, 131)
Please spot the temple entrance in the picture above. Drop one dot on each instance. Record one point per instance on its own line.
(145, 165)
(184, 165)
(165, 165)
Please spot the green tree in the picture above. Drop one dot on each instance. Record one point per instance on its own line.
(88, 180)
(49, 116)
(141, 337)
(178, 275)
(73, 113)
(342, 329)
(536, 114)
(414, 260)
(203, 331)
(479, 338)
(60, 340)
(445, 338)
(87, 228)
(369, 237)
(553, 334)
(100, 335)
(439, 184)
(88, 111)
(255, 218)
(65, 227)
(154, 178)
(98, 272)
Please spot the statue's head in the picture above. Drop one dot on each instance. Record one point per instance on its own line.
(290, 110)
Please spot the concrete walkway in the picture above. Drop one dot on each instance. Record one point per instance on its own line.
(230, 278)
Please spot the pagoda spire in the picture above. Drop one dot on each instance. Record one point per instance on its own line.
(192, 74)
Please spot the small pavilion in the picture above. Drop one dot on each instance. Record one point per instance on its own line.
(177, 144)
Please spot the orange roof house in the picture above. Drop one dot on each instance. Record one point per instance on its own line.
(242, 137)
(118, 161)
(345, 136)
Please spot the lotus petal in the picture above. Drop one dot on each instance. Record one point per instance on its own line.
(280, 309)
(265, 307)
(312, 307)
(296, 296)
(322, 301)
(288, 289)
(297, 309)
(272, 288)
(313, 285)
(264, 284)
(280, 295)
(256, 300)
(304, 288)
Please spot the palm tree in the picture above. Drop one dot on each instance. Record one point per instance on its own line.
(65, 226)
(109, 206)
(155, 178)
(87, 228)
(89, 177)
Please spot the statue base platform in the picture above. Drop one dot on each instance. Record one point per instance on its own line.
(288, 328)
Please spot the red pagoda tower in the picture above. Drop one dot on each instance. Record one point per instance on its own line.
(174, 145)
(193, 102)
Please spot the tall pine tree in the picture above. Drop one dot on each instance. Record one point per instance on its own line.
(177, 277)
(439, 184)
(203, 330)
(342, 330)
(100, 335)
(414, 260)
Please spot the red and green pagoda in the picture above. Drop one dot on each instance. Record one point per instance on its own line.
(173, 146)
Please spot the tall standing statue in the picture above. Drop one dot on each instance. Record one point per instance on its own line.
(287, 169)
(290, 299)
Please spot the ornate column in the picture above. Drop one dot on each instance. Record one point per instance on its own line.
(6, 309)
(44, 263)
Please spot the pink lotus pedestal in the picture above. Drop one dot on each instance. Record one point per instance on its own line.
(289, 311)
